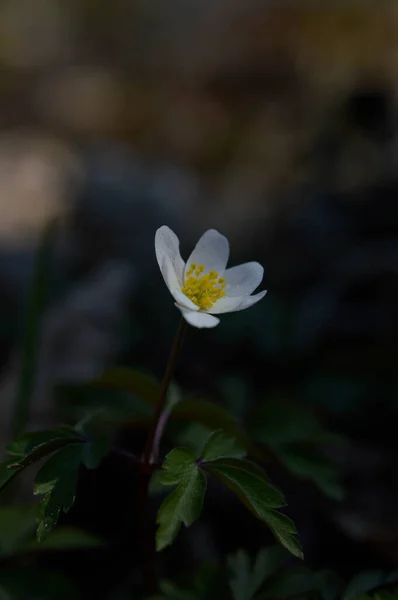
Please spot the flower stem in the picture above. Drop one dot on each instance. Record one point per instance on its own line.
(157, 423)
(149, 459)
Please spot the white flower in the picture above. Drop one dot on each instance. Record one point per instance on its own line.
(203, 287)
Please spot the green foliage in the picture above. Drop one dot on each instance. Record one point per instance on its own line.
(31, 447)
(184, 504)
(252, 487)
(128, 380)
(56, 480)
(19, 577)
(31, 332)
(248, 481)
(220, 445)
(246, 579)
(294, 435)
(367, 581)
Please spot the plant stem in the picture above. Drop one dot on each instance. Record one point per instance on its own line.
(148, 461)
(157, 422)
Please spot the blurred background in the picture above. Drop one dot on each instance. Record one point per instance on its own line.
(275, 123)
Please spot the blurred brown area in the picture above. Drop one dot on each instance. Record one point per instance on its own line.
(238, 93)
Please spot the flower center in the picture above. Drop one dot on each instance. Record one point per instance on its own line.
(203, 290)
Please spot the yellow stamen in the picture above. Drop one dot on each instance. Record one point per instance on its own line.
(203, 290)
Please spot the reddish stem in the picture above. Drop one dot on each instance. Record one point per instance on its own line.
(148, 464)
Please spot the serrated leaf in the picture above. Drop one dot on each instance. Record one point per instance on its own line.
(42, 444)
(184, 504)
(178, 463)
(284, 530)
(247, 480)
(30, 441)
(252, 487)
(94, 451)
(131, 381)
(221, 445)
(56, 480)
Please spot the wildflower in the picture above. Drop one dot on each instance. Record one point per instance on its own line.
(203, 287)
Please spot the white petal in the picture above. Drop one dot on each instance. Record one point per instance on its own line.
(242, 280)
(212, 251)
(183, 301)
(170, 277)
(230, 304)
(167, 248)
(199, 319)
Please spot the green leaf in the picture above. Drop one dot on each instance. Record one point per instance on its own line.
(206, 413)
(241, 582)
(32, 441)
(95, 450)
(56, 480)
(131, 381)
(246, 580)
(294, 434)
(30, 448)
(8, 470)
(290, 583)
(248, 481)
(308, 465)
(252, 487)
(31, 330)
(184, 504)
(281, 422)
(178, 463)
(284, 531)
(363, 582)
(221, 445)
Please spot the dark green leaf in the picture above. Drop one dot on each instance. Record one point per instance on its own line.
(128, 380)
(95, 450)
(245, 579)
(252, 487)
(31, 330)
(308, 465)
(290, 583)
(42, 444)
(56, 480)
(185, 503)
(280, 422)
(8, 470)
(178, 463)
(207, 413)
(221, 445)
(363, 582)
(284, 530)
(248, 481)
(31, 441)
